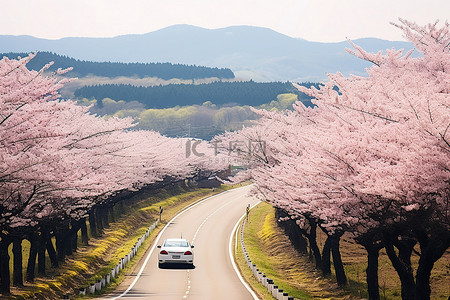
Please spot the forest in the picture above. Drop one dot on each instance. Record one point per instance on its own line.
(219, 93)
(196, 121)
(82, 68)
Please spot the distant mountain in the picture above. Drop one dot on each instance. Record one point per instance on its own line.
(254, 53)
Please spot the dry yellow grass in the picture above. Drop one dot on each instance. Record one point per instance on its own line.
(273, 253)
(355, 263)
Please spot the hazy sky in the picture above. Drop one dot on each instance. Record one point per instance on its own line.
(314, 20)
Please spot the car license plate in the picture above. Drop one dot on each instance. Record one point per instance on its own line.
(175, 256)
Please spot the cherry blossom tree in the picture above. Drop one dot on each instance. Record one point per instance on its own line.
(21, 92)
(61, 165)
(372, 158)
(394, 125)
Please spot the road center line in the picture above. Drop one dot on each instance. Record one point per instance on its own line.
(193, 239)
(159, 237)
(206, 219)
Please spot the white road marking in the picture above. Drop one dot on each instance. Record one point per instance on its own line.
(206, 219)
(156, 242)
(195, 235)
(159, 237)
(230, 252)
(188, 285)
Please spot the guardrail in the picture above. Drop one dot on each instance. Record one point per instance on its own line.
(106, 280)
(272, 288)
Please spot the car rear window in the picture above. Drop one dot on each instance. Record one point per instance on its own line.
(176, 244)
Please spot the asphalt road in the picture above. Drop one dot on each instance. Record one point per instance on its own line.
(208, 225)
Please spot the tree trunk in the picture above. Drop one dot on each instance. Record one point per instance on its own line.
(73, 236)
(111, 213)
(326, 257)
(60, 251)
(313, 243)
(74, 241)
(51, 252)
(31, 265)
(292, 230)
(93, 223)
(67, 241)
(423, 290)
(297, 238)
(84, 232)
(17, 262)
(61, 234)
(337, 260)
(105, 219)
(373, 287)
(41, 253)
(431, 250)
(402, 265)
(5, 280)
(99, 221)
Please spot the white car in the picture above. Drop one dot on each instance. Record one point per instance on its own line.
(176, 251)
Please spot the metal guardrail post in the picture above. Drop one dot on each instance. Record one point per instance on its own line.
(272, 289)
(275, 290)
(98, 286)
(92, 288)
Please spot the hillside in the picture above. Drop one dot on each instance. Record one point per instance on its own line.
(218, 93)
(82, 68)
(198, 121)
(200, 110)
(250, 52)
(196, 107)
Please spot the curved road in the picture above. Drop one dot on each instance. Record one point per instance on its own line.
(208, 225)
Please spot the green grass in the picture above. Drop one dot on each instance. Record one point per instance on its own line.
(274, 255)
(92, 262)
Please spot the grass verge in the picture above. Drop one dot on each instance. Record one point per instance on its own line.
(274, 255)
(272, 252)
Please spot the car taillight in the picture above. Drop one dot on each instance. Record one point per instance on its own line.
(188, 253)
(163, 252)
